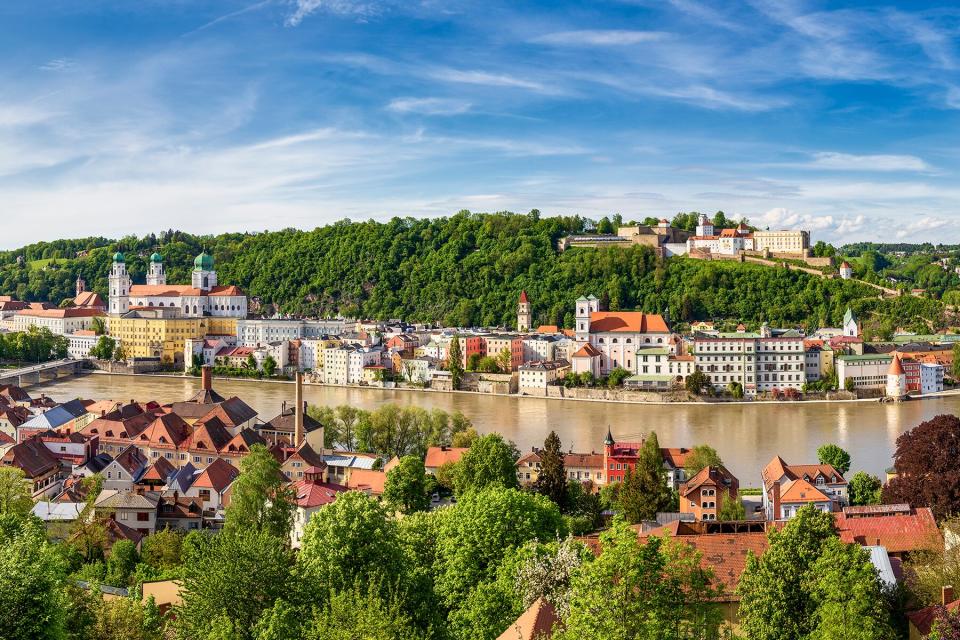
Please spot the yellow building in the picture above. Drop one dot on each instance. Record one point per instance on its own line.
(163, 332)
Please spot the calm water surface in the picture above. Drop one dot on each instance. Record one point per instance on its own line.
(746, 436)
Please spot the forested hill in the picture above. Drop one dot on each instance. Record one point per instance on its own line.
(465, 270)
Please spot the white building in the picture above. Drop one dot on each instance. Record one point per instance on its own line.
(535, 377)
(58, 321)
(79, 343)
(257, 332)
(785, 241)
(896, 386)
(760, 362)
(617, 335)
(851, 327)
(417, 370)
(846, 271)
(207, 348)
(868, 371)
(203, 297)
(931, 377)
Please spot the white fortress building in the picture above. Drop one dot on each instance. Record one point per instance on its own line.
(733, 241)
(203, 297)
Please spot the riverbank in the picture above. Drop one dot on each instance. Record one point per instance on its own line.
(715, 403)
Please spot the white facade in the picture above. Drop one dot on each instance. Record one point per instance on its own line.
(539, 348)
(781, 241)
(931, 378)
(78, 346)
(335, 364)
(758, 363)
(866, 371)
(119, 286)
(58, 321)
(417, 370)
(616, 335)
(536, 376)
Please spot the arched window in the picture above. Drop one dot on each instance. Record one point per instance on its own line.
(615, 341)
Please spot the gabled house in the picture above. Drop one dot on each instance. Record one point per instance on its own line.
(824, 478)
(210, 485)
(157, 474)
(125, 470)
(620, 456)
(179, 513)
(438, 456)
(297, 461)
(280, 429)
(135, 510)
(39, 466)
(704, 494)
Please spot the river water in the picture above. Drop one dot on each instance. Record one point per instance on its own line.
(746, 436)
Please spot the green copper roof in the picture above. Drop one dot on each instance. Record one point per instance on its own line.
(118, 257)
(203, 262)
(156, 257)
(848, 316)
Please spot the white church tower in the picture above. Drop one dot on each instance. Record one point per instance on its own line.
(204, 277)
(155, 273)
(896, 379)
(585, 306)
(119, 286)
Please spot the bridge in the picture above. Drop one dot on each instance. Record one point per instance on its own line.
(43, 372)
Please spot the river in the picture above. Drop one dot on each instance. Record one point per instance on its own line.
(747, 436)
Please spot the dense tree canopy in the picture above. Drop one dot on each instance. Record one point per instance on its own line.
(463, 270)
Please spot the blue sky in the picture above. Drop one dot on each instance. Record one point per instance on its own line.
(127, 117)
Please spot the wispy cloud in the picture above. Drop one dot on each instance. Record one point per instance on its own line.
(429, 106)
(487, 79)
(835, 161)
(355, 8)
(599, 37)
(229, 16)
(58, 64)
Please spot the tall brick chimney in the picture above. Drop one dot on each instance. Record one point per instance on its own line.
(206, 377)
(946, 595)
(298, 432)
(776, 500)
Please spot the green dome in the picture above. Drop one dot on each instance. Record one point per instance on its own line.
(203, 262)
(156, 257)
(118, 257)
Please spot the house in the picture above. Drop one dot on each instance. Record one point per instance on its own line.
(280, 428)
(438, 456)
(369, 481)
(341, 465)
(620, 456)
(535, 377)
(587, 359)
(61, 417)
(820, 484)
(136, 510)
(179, 513)
(310, 495)
(125, 470)
(211, 484)
(585, 467)
(11, 417)
(156, 476)
(296, 461)
(39, 466)
(703, 495)
(538, 622)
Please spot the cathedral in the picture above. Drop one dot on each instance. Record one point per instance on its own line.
(202, 297)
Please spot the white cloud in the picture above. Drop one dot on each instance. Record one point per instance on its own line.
(469, 76)
(849, 162)
(429, 106)
(305, 8)
(58, 64)
(600, 37)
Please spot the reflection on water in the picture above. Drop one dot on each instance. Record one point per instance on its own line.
(747, 436)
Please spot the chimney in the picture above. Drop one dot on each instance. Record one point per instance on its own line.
(298, 434)
(206, 377)
(946, 595)
(776, 500)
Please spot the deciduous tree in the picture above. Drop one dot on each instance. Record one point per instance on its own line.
(701, 456)
(864, 489)
(405, 489)
(490, 460)
(926, 466)
(15, 496)
(261, 500)
(833, 455)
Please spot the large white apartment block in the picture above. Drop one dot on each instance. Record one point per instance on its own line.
(335, 361)
(258, 332)
(539, 348)
(534, 377)
(931, 377)
(80, 343)
(760, 362)
(58, 321)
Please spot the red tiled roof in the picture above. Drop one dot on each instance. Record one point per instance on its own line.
(438, 456)
(712, 476)
(587, 351)
(315, 494)
(217, 476)
(71, 312)
(159, 471)
(897, 532)
(367, 479)
(896, 368)
(627, 321)
(523, 297)
(536, 623)
(31, 456)
(548, 328)
(801, 491)
(229, 290)
(164, 290)
(166, 430)
(88, 299)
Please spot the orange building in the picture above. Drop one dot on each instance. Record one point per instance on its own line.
(703, 495)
